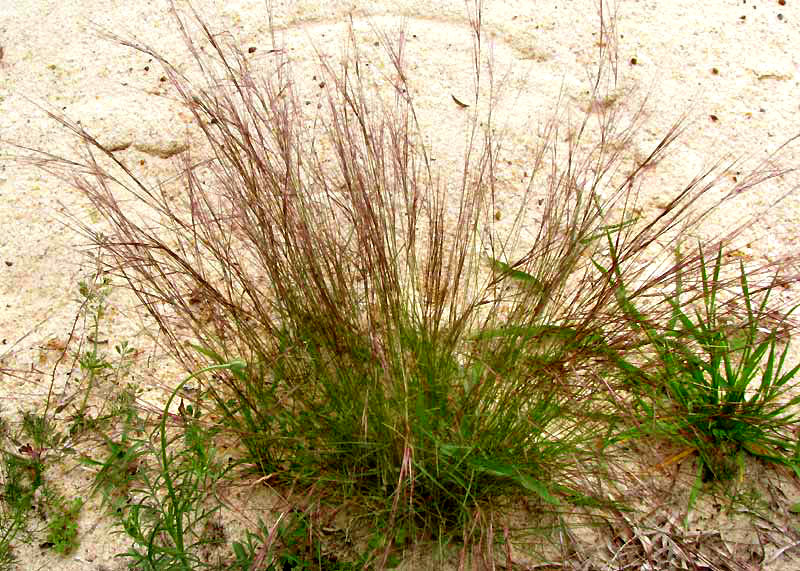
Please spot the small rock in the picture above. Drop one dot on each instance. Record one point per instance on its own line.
(161, 149)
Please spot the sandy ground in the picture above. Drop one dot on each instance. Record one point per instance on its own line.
(732, 65)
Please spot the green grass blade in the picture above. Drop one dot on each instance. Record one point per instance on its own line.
(695, 491)
(544, 332)
(676, 301)
(518, 275)
(609, 229)
(537, 487)
(499, 469)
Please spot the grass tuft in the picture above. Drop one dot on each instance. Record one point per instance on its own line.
(720, 389)
(377, 336)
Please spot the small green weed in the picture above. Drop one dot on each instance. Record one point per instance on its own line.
(291, 545)
(62, 522)
(173, 492)
(121, 434)
(117, 472)
(21, 477)
(95, 364)
(298, 549)
(41, 431)
(12, 518)
(24, 490)
(94, 306)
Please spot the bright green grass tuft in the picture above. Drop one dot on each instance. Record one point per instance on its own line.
(721, 391)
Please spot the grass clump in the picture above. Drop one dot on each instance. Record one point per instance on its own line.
(375, 338)
(720, 389)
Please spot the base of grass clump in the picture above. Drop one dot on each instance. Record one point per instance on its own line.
(422, 445)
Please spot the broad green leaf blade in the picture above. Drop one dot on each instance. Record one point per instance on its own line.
(536, 487)
(518, 275)
(214, 356)
(502, 470)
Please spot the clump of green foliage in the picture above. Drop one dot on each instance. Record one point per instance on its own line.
(62, 522)
(718, 388)
(20, 478)
(25, 491)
